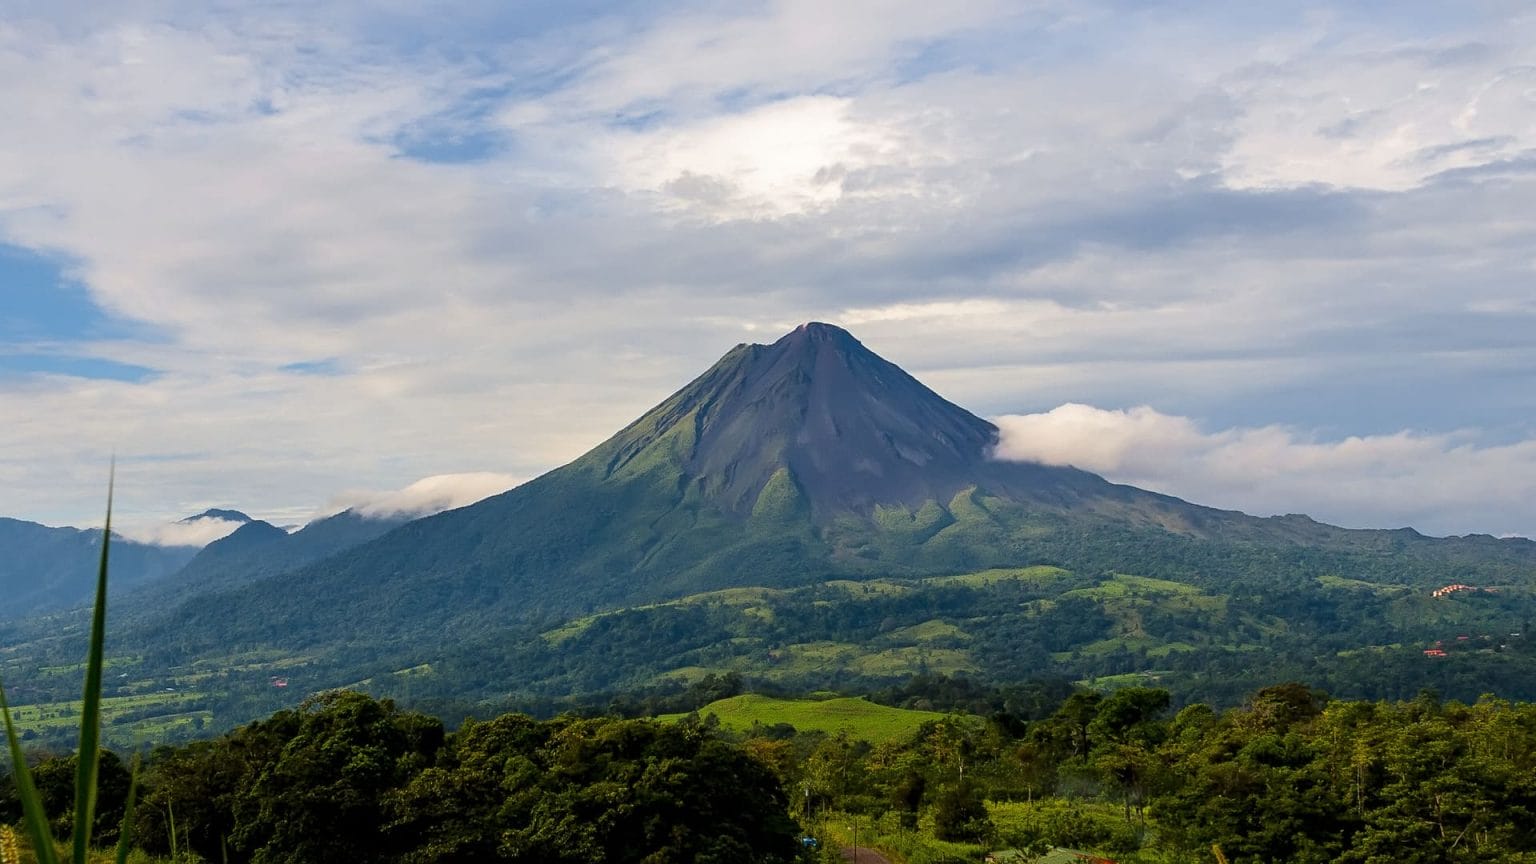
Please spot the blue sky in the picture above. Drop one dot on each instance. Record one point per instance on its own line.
(286, 259)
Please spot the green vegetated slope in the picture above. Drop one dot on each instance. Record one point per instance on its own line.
(858, 717)
(256, 551)
(146, 705)
(1351, 636)
(1014, 625)
(1216, 616)
(44, 569)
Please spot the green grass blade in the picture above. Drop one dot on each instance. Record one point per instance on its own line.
(31, 803)
(125, 834)
(90, 712)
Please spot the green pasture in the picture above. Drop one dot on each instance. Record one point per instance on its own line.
(988, 578)
(1150, 678)
(79, 668)
(47, 716)
(1329, 580)
(932, 630)
(859, 717)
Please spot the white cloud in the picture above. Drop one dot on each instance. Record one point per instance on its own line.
(198, 532)
(427, 496)
(1440, 483)
(1383, 116)
(938, 311)
(776, 160)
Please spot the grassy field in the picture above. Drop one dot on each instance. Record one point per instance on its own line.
(67, 714)
(986, 578)
(928, 632)
(869, 588)
(78, 669)
(1154, 678)
(860, 718)
(1329, 580)
(126, 720)
(152, 706)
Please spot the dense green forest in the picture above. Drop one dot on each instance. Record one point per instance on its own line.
(1289, 775)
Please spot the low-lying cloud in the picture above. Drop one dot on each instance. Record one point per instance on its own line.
(1438, 483)
(428, 495)
(194, 532)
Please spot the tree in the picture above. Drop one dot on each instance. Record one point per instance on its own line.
(55, 780)
(322, 798)
(1127, 729)
(605, 790)
(959, 813)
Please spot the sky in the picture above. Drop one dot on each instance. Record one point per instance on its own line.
(289, 257)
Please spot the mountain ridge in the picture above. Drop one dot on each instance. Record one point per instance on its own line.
(259, 550)
(45, 569)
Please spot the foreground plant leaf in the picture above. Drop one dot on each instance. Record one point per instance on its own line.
(90, 714)
(33, 817)
(125, 833)
(89, 761)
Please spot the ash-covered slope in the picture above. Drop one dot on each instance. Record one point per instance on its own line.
(852, 429)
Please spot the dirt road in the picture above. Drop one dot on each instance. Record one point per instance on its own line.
(865, 855)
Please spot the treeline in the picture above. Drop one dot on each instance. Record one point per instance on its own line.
(1288, 776)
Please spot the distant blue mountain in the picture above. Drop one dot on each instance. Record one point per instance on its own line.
(223, 515)
(260, 549)
(46, 569)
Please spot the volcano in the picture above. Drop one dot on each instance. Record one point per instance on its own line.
(788, 464)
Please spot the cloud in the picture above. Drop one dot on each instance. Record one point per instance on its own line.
(198, 532)
(687, 59)
(501, 236)
(1381, 117)
(1440, 483)
(776, 160)
(426, 496)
